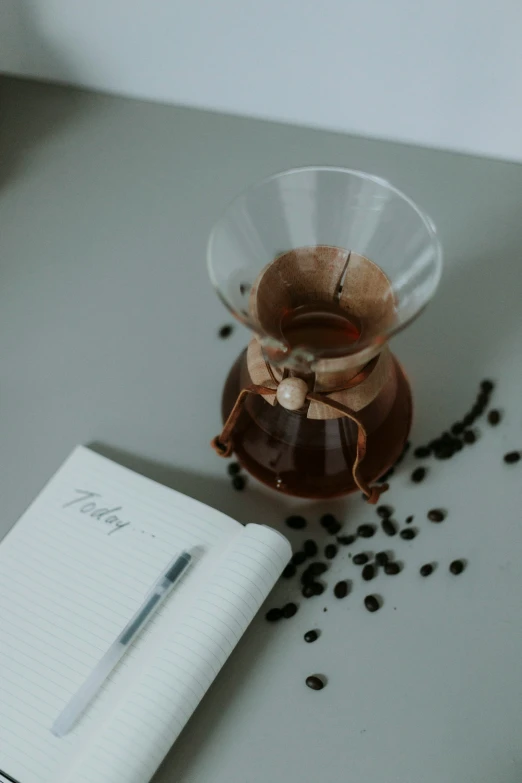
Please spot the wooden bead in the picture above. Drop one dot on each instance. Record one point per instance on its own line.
(291, 393)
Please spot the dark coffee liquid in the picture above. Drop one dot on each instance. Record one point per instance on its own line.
(319, 326)
(314, 458)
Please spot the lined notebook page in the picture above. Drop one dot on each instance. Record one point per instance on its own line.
(149, 719)
(72, 572)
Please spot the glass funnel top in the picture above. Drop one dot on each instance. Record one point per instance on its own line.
(324, 249)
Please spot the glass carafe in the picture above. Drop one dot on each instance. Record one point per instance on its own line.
(323, 265)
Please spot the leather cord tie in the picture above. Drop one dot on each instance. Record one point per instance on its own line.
(223, 444)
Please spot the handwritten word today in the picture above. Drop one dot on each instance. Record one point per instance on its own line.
(89, 507)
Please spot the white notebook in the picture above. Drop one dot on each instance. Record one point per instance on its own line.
(73, 570)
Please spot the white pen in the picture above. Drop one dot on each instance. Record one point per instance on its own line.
(86, 693)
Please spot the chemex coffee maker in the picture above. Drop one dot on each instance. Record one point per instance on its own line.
(324, 265)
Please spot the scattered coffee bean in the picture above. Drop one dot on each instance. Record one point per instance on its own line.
(511, 457)
(341, 589)
(360, 559)
(225, 331)
(487, 386)
(389, 527)
(330, 551)
(436, 515)
(381, 558)
(371, 602)
(289, 571)
(384, 511)
(273, 615)
(298, 558)
(346, 540)
(469, 437)
(334, 528)
(494, 417)
(418, 475)
(426, 569)
(408, 533)
(296, 522)
(409, 519)
(308, 591)
(310, 548)
(318, 588)
(315, 682)
(239, 483)
(456, 567)
(468, 420)
(457, 428)
(307, 577)
(368, 572)
(392, 569)
(289, 610)
(366, 531)
(311, 636)
(234, 468)
(457, 446)
(317, 568)
(327, 521)
(421, 452)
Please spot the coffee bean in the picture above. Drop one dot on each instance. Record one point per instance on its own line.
(311, 636)
(308, 591)
(238, 482)
(457, 428)
(366, 531)
(426, 569)
(330, 551)
(456, 567)
(317, 568)
(289, 571)
(408, 533)
(371, 602)
(446, 451)
(346, 540)
(307, 577)
(487, 386)
(244, 288)
(389, 527)
(421, 452)
(494, 417)
(318, 588)
(418, 475)
(409, 519)
(381, 558)
(296, 522)
(289, 610)
(469, 437)
(436, 515)
(341, 589)
(457, 446)
(334, 528)
(273, 615)
(477, 410)
(511, 457)
(327, 520)
(298, 558)
(407, 447)
(360, 559)
(310, 548)
(468, 420)
(234, 468)
(392, 569)
(368, 572)
(225, 331)
(384, 511)
(315, 682)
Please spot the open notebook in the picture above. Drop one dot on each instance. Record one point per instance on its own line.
(72, 572)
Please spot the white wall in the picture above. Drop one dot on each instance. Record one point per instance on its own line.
(446, 73)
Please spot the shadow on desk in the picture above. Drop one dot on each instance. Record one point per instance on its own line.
(25, 125)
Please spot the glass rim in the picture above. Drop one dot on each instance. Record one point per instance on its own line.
(363, 345)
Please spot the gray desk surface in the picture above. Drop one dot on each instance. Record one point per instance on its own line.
(108, 327)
